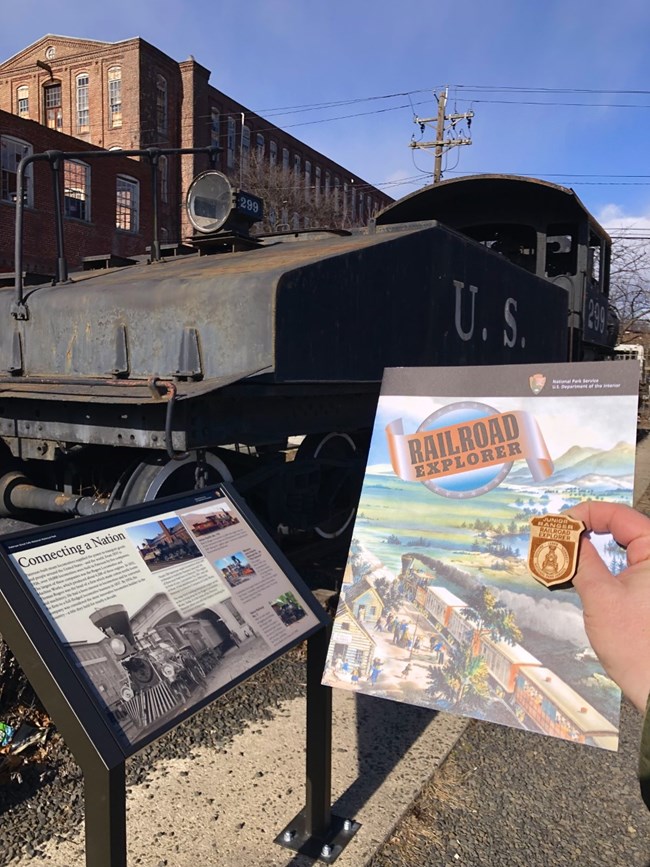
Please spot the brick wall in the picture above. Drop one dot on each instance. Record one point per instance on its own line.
(81, 238)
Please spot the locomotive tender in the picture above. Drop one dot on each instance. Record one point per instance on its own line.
(263, 365)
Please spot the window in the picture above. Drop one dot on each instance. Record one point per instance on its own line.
(163, 170)
(115, 97)
(273, 152)
(53, 108)
(245, 144)
(76, 190)
(337, 198)
(215, 120)
(12, 150)
(22, 101)
(285, 159)
(296, 172)
(230, 144)
(83, 117)
(307, 181)
(317, 172)
(328, 181)
(127, 204)
(260, 145)
(161, 104)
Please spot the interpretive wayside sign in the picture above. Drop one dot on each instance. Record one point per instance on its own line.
(158, 609)
(439, 606)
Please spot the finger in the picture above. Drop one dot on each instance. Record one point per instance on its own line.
(593, 581)
(629, 527)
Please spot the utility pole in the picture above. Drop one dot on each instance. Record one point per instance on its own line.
(442, 144)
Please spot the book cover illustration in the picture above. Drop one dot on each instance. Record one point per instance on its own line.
(438, 607)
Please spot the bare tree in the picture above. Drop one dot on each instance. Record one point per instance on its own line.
(291, 203)
(630, 287)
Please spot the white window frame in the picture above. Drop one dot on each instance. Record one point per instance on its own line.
(273, 153)
(82, 90)
(285, 160)
(22, 101)
(12, 150)
(114, 79)
(259, 144)
(127, 204)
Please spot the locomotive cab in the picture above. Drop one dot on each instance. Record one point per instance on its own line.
(541, 227)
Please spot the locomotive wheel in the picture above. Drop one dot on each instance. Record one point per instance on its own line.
(157, 477)
(337, 500)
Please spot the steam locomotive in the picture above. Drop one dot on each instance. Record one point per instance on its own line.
(259, 359)
(144, 677)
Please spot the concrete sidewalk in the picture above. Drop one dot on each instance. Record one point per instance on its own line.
(227, 807)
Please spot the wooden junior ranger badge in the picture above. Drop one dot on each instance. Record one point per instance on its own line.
(553, 551)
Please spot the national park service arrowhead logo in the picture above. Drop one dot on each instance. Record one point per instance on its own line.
(553, 551)
(536, 382)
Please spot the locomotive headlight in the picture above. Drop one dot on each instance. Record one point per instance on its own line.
(209, 201)
(118, 646)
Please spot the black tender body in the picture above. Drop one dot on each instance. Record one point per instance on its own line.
(121, 384)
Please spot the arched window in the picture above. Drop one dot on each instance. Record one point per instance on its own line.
(115, 97)
(83, 116)
(12, 150)
(161, 104)
(22, 101)
(53, 106)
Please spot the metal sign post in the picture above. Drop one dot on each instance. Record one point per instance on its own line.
(121, 620)
(315, 832)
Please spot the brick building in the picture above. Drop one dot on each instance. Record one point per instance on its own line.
(129, 95)
(106, 202)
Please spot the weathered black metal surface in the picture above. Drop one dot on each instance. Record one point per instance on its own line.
(334, 310)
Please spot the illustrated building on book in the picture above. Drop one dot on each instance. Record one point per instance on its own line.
(438, 607)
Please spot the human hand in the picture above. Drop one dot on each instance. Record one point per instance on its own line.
(617, 607)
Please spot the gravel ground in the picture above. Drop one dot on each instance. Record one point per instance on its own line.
(509, 798)
(47, 802)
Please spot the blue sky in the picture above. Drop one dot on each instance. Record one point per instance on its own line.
(572, 119)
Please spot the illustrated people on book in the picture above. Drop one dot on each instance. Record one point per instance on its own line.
(375, 671)
(618, 606)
